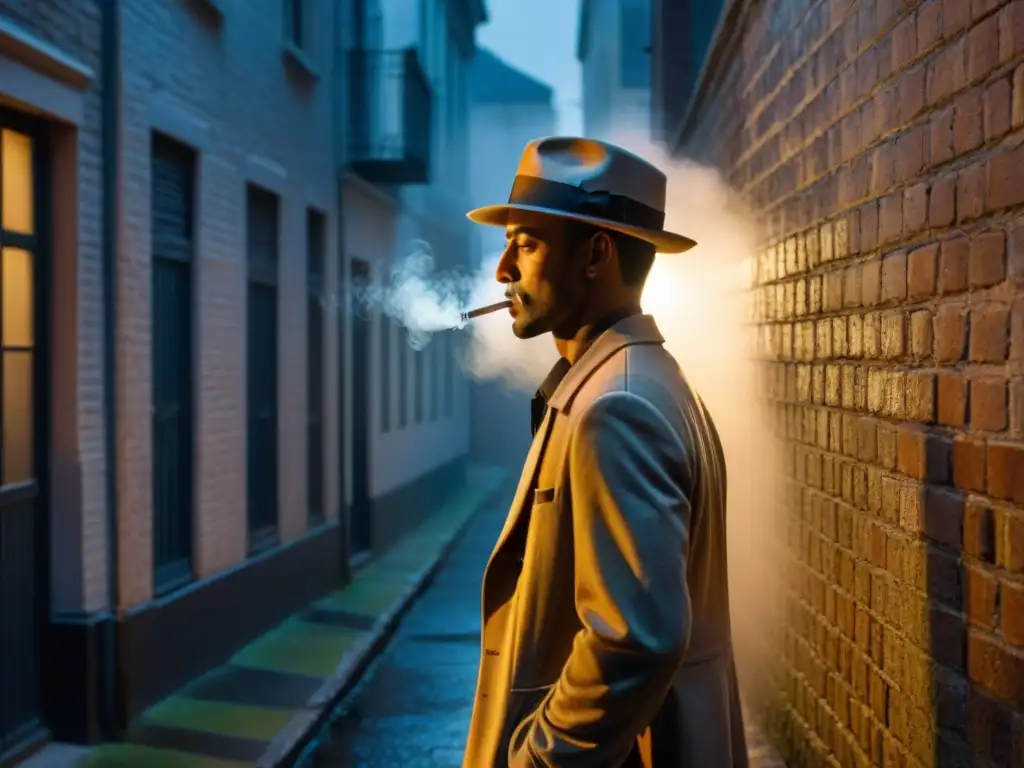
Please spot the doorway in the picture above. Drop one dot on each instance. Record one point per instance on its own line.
(24, 426)
(361, 518)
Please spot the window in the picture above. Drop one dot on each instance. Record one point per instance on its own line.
(449, 377)
(419, 383)
(404, 350)
(387, 329)
(172, 233)
(263, 249)
(315, 244)
(436, 366)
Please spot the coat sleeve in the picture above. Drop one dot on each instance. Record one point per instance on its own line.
(629, 481)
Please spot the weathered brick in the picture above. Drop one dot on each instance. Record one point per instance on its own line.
(982, 591)
(987, 260)
(915, 210)
(997, 105)
(952, 399)
(976, 193)
(983, 48)
(950, 334)
(968, 129)
(953, 265)
(1009, 539)
(1013, 612)
(1011, 31)
(1005, 182)
(1017, 103)
(921, 335)
(989, 333)
(969, 464)
(1006, 471)
(921, 270)
(988, 404)
(942, 202)
(979, 531)
(994, 668)
(894, 277)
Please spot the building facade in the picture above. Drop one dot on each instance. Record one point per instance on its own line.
(613, 48)
(174, 454)
(880, 146)
(56, 262)
(227, 391)
(508, 109)
(405, 182)
(194, 441)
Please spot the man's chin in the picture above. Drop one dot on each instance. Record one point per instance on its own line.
(527, 330)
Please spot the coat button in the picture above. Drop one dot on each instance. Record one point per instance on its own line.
(489, 652)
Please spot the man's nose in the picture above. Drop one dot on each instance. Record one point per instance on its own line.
(506, 271)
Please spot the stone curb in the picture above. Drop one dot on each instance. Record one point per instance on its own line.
(291, 740)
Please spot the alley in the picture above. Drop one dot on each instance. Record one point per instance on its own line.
(413, 706)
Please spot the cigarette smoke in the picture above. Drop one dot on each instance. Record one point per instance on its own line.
(702, 302)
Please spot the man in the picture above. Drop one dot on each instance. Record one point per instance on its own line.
(606, 633)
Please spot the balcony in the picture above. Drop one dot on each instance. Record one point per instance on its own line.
(390, 121)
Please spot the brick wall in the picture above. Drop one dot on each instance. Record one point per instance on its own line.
(880, 142)
(224, 85)
(80, 564)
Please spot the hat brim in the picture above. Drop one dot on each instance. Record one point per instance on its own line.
(665, 242)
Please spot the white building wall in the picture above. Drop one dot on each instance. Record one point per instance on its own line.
(381, 226)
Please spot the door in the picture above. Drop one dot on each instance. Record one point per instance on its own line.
(261, 368)
(23, 427)
(316, 226)
(172, 232)
(361, 522)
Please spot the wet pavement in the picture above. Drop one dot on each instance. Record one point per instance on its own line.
(412, 708)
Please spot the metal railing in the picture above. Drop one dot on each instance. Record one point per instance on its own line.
(390, 117)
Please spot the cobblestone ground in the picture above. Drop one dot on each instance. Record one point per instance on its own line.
(413, 706)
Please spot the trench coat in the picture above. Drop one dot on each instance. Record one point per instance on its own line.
(606, 637)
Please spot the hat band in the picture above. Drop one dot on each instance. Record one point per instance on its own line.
(566, 198)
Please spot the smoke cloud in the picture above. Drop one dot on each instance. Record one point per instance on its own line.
(702, 302)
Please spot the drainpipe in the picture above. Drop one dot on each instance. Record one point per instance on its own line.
(111, 119)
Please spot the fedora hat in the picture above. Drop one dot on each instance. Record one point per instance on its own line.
(593, 182)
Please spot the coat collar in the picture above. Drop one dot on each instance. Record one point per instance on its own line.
(635, 329)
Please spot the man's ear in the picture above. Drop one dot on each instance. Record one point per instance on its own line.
(602, 248)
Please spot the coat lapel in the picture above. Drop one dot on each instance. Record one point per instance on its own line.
(526, 480)
(635, 329)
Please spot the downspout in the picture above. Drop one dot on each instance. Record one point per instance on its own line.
(111, 119)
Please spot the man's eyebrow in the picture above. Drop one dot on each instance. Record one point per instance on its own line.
(516, 231)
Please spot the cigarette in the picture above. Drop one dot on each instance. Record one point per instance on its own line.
(485, 310)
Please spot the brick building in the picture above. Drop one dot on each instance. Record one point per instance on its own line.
(880, 143)
(227, 459)
(613, 48)
(406, 179)
(188, 451)
(56, 258)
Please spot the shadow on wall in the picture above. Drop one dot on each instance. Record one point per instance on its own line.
(976, 681)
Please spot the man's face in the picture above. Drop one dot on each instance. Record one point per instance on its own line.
(543, 276)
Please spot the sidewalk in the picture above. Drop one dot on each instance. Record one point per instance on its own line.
(257, 709)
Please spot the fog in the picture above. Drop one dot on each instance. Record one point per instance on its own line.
(701, 302)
